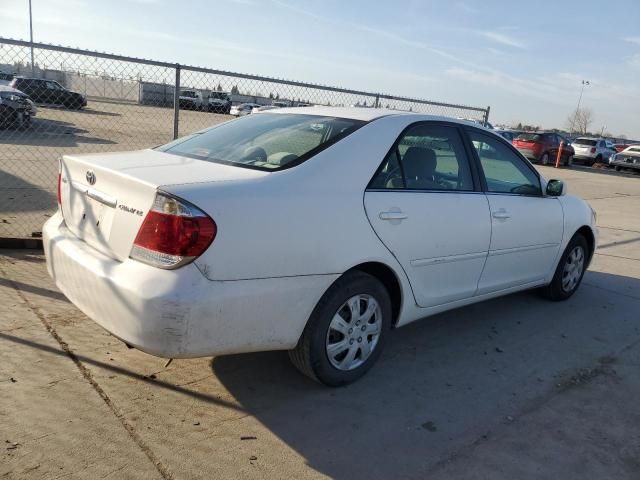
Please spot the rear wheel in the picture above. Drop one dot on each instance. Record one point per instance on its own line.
(569, 161)
(618, 169)
(544, 159)
(570, 270)
(346, 331)
(599, 159)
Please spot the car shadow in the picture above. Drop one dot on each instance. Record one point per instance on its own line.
(51, 133)
(441, 384)
(19, 195)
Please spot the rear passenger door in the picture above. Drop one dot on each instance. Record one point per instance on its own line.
(526, 227)
(426, 205)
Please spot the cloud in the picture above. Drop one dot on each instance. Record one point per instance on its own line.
(634, 61)
(466, 8)
(503, 39)
(635, 40)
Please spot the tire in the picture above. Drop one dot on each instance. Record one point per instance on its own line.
(618, 169)
(544, 159)
(566, 281)
(333, 315)
(598, 159)
(569, 161)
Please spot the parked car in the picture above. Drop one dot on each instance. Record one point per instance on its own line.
(542, 147)
(191, 100)
(16, 109)
(263, 108)
(281, 103)
(510, 135)
(5, 78)
(592, 150)
(49, 92)
(621, 146)
(314, 230)
(243, 109)
(628, 159)
(219, 102)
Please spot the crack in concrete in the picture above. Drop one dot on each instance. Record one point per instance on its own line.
(157, 463)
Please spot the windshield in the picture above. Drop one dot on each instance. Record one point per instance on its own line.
(220, 95)
(530, 137)
(188, 93)
(266, 141)
(585, 141)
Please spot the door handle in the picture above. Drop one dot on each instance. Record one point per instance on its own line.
(501, 214)
(392, 216)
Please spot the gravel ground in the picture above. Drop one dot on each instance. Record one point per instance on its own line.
(516, 387)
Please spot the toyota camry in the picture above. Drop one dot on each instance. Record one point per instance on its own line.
(315, 230)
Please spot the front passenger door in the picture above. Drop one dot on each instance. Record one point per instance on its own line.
(526, 227)
(428, 210)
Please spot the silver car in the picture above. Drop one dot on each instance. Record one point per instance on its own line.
(629, 158)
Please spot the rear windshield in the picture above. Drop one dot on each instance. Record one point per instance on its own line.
(531, 137)
(264, 141)
(585, 141)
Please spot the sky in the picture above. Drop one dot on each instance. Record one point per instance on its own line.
(526, 60)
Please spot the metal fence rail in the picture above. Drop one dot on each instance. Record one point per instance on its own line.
(131, 103)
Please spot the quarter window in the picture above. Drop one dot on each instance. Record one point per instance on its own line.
(503, 169)
(426, 157)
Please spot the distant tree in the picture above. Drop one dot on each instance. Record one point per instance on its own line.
(519, 126)
(219, 87)
(277, 96)
(580, 120)
(271, 95)
(234, 90)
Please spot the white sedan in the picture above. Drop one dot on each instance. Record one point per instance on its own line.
(314, 230)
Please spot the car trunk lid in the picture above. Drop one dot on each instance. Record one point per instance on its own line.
(105, 197)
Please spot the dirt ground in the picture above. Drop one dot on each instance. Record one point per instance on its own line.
(29, 157)
(516, 387)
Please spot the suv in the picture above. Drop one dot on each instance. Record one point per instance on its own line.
(543, 147)
(16, 109)
(219, 102)
(49, 92)
(191, 99)
(593, 150)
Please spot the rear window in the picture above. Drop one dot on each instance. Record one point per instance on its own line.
(530, 137)
(266, 141)
(585, 141)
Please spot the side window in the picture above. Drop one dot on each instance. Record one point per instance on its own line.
(426, 157)
(503, 169)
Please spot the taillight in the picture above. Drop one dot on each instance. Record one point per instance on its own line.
(59, 191)
(173, 233)
(593, 149)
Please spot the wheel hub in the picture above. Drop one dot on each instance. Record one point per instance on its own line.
(354, 332)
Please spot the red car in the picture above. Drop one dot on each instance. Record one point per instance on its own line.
(542, 147)
(621, 146)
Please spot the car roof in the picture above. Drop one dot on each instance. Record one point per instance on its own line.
(6, 88)
(369, 114)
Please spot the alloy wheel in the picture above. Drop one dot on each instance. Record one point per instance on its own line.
(354, 332)
(573, 269)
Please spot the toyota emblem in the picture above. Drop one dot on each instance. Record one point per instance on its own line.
(91, 177)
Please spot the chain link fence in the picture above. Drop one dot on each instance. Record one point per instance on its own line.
(83, 101)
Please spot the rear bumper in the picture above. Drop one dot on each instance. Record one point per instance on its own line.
(179, 313)
(528, 153)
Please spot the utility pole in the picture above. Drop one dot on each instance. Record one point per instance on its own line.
(584, 84)
(31, 39)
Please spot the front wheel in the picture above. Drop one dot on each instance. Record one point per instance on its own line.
(570, 270)
(346, 331)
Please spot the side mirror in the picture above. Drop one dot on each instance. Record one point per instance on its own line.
(556, 188)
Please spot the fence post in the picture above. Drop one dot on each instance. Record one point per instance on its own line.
(486, 116)
(176, 102)
(377, 105)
